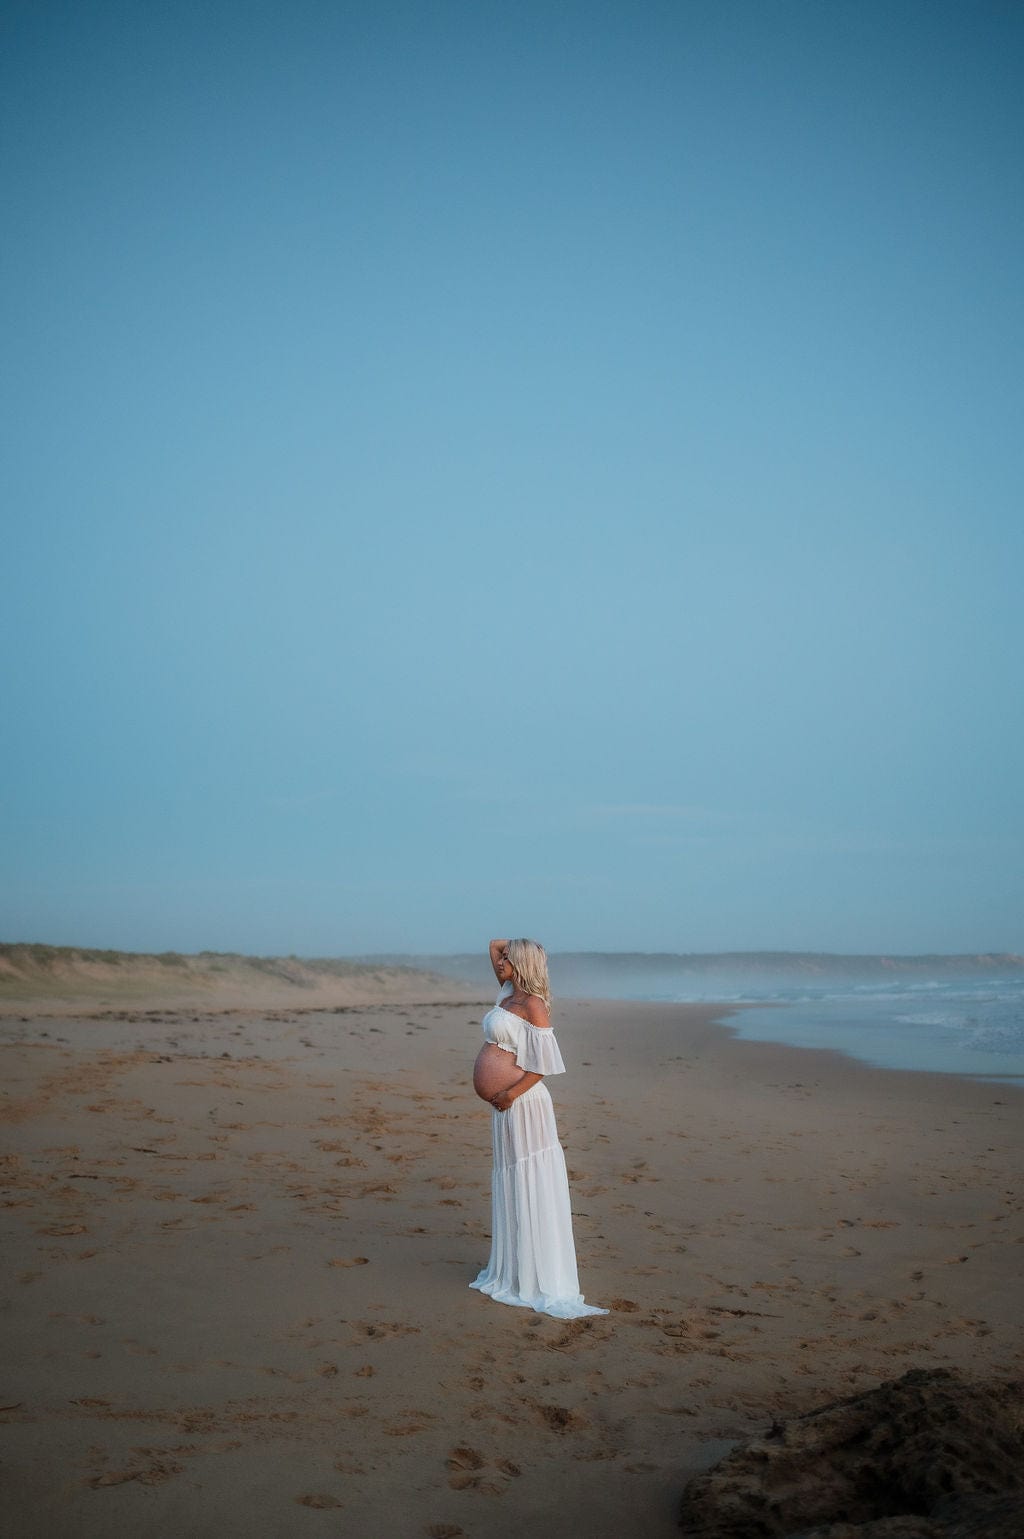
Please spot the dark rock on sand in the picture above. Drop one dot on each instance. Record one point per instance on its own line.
(961, 1517)
(927, 1456)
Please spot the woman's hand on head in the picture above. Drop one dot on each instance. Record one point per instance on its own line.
(497, 949)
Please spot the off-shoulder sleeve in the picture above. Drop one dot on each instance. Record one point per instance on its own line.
(537, 1052)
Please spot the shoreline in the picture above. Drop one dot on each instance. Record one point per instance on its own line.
(1005, 1081)
(884, 1039)
(240, 1245)
(189, 1010)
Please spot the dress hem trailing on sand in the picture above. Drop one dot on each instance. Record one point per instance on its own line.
(533, 1256)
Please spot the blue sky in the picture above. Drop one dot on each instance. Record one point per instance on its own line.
(532, 469)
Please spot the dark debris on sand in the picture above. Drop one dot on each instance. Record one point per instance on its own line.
(926, 1456)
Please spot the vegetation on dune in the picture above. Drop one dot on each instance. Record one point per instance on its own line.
(32, 970)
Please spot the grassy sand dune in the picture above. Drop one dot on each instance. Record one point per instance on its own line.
(59, 977)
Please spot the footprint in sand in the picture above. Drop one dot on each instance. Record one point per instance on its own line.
(376, 1330)
(464, 1458)
(461, 1480)
(571, 1337)
(559, 1418)
(147, 1475)
(465, 1463)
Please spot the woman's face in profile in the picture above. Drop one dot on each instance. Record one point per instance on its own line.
(504, 968)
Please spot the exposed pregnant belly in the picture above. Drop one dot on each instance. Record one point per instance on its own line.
(494, 1070)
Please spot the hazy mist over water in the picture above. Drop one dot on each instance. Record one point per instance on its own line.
(949, 1014)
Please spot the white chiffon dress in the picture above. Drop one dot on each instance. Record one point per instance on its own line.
(533, 1256)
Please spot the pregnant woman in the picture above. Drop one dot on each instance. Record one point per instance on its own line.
(533, 1258)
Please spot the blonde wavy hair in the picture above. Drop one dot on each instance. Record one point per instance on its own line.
(529, 962)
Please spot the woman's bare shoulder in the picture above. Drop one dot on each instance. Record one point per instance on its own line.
(536, 1011)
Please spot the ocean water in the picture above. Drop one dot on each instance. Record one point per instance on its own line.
(948, 1014)
(965, 1026)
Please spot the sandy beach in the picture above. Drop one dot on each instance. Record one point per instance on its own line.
(238, 1243)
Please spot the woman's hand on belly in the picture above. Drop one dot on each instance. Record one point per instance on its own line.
(503, 1100)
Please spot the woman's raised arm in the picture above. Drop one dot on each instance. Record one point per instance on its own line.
(497, 949)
